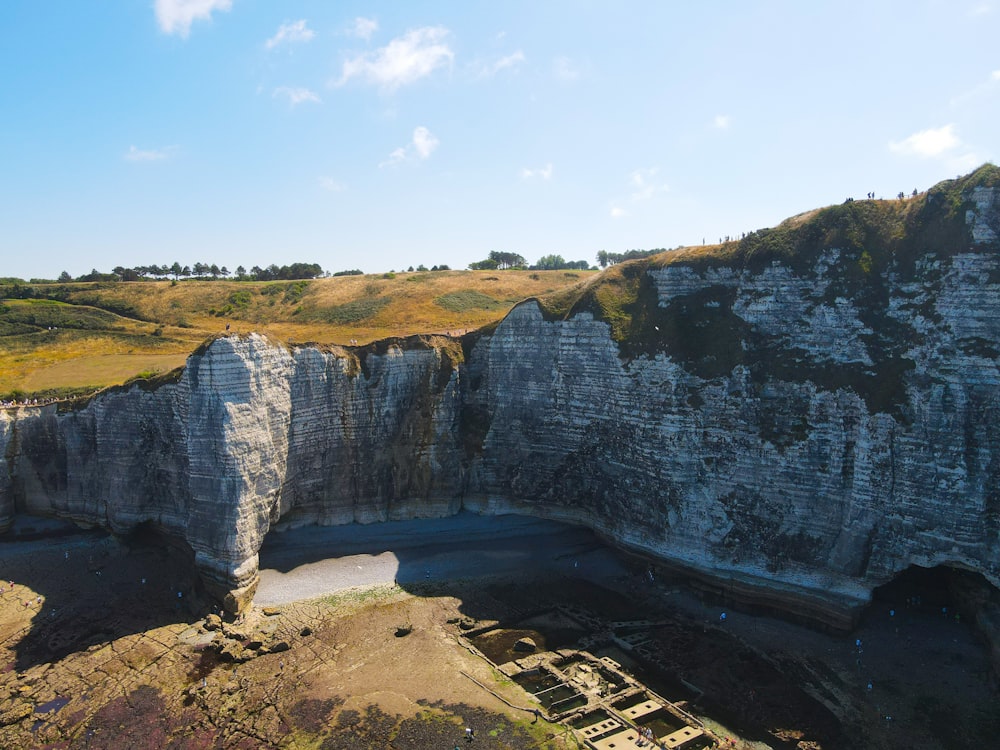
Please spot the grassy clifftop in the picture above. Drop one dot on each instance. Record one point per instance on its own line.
(73, 338)
(77, 337)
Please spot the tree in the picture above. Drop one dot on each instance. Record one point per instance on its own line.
(65, 277)
(240, 272)
(200, 269)
(602, 258)
(484, 265)
(214, 270)
(506, 260)
(550, 263)
(176, 269)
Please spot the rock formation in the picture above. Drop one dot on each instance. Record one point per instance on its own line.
(796, 417)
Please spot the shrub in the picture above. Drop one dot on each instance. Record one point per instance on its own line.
(356, 311)
(467, 299)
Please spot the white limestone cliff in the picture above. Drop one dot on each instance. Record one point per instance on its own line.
(794, 432)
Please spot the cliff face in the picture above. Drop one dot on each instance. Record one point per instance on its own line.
(800, 425)
(250, 432)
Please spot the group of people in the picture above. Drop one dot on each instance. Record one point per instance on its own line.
(27, 602)
(10, 404)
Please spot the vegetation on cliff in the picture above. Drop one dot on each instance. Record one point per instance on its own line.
(875, 243)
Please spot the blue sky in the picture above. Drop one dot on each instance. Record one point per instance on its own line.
(379, 135)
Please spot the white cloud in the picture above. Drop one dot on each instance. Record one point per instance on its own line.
(406, 59)
(290, 33)
(995, 75)
(721, 122)
(424, 142)
(617, 212)
(331, 185)
(939, 143)
(364, 28)
(176, 16)
(564, 69)
(421, 146)
(296, 95)
(928, 143)
(980, 10)
(644, 184)
(512, 60)
(543, 173)
(152, 154)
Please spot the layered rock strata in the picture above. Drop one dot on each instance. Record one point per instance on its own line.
(792, 429)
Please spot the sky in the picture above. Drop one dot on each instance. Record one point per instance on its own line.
(382, 135)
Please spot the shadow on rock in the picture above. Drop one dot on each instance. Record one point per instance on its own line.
(76, 589)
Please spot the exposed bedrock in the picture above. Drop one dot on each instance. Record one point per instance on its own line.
(795, 431)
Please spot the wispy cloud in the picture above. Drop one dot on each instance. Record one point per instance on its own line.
(984, 88)
(290, 33)
(176, 16)
(396, 157)
(645, 185)
(331, 185)
(928, 143)
(422, 144)
(295, 95)
(151, 154)
(363, 28)
(981, 9)
(721, 122)
(404, 60)
(564, 69)
(542, 173)
(512, 61)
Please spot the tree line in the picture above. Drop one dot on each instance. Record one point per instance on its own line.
(503, 261)
(202, 271)
(605, 259)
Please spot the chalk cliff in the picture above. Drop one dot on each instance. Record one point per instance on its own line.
(795, 417)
